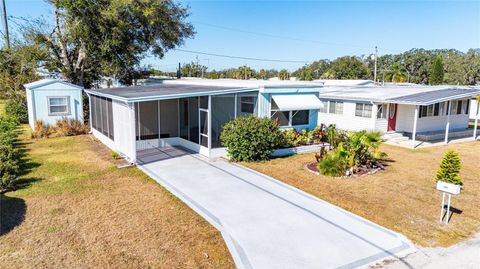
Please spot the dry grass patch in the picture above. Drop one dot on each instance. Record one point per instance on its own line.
(77, 210)
(401, 198)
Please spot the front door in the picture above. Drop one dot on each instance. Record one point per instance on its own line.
(392, 117)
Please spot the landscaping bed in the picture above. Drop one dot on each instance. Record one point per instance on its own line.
(402, 198)
(75, 209)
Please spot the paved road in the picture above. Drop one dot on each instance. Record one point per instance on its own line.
(268, 224)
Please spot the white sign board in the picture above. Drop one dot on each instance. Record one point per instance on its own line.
(448, 187)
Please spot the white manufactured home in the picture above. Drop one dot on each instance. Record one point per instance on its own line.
(416, 112)
(192, 112)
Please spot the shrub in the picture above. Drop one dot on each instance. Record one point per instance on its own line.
(69, 127)
(356, 149)
(289, 138)
(17, 109)
(7, 130)
(41, 130)
(333, 164)
(9, 167)
(450, 168)
(9, 156)
(334, 136)
(251, 138)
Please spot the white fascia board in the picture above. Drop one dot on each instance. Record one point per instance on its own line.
(171, 96)
(291, 89)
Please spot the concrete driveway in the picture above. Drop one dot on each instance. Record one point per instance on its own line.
(266, 223)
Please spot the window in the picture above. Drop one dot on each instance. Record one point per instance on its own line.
(436, 109)
(335, 107)
(289, 118)
(467, 109)
(300, 117)
(58, 106)
(332, 107)
(282, 117)
(382, 111)
(247, 104)
(363, 110)
(432, 110)
(102, 115)
(459, 107)
(324, 108)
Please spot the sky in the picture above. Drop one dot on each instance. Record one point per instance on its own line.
(304, 31)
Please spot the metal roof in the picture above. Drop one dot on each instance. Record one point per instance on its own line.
(431, 97)
(171, 89)
(48, 81)
(162, 91)
(411, 94)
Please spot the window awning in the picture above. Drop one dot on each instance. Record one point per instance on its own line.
(297, 102)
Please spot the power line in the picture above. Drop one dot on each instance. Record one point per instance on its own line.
(282, 37)
(243, 58)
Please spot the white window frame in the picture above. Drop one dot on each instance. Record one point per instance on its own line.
(382, 110)
(290, 116)
(328, 104)
(67, 105)
(364, 115)
(247, 102)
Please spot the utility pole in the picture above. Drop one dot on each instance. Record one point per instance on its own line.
(5, 25)
(375, 68)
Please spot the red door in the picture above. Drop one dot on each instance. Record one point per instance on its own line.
(392, 117)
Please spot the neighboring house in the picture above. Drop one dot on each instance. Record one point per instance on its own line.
(409, 110)
(192, 112)
(49, 100)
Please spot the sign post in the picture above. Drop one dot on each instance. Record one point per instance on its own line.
(447, 188)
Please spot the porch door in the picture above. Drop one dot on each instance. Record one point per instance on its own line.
(392, 117)
(204, 119)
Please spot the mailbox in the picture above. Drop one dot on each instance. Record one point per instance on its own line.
(448, 187)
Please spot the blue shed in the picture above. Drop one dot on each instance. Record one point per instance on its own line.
(49, 100)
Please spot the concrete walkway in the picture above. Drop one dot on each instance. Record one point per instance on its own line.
(268, 224)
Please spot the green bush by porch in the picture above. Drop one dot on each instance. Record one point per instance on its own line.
(251, 139)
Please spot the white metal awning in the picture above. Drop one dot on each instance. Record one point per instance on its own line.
(297, 102)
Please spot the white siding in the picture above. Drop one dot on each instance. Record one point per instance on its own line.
(381, 125)
(123, 123)
(31, 112)
(348, 120)
(406, 115)
(124, 137)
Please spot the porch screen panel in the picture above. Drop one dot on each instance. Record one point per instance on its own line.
(104, 116)
(93, 99)
(148, 123)
(98, 110)
(110, 118)
(169, 118)
(193, 119)
(184, 118)
(223, 111)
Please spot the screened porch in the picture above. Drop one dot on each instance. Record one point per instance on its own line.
(194, 123)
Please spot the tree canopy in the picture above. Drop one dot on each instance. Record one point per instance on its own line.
(89, 38)
(436, 72)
